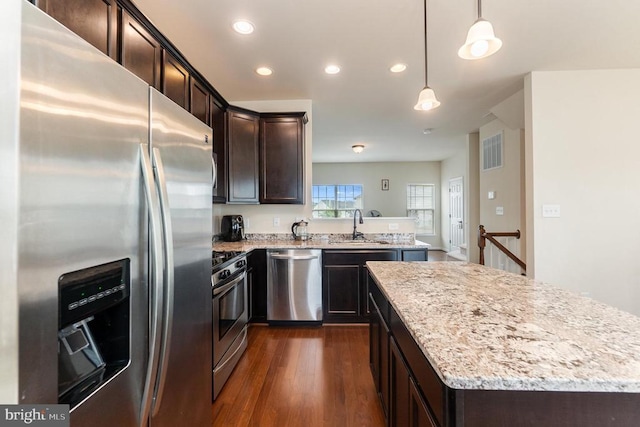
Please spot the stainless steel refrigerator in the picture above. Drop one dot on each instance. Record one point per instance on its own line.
(106, 220)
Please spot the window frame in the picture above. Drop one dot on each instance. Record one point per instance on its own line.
(432, 210)
(348, 212)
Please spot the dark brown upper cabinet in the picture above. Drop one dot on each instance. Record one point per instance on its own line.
(217, 123)
(199, 101)
(175, 82)
(95, 21)
(282, 158)
(242, 158)
(140, 51)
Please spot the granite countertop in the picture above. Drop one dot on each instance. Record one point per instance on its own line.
(483, 328)
(334, 242)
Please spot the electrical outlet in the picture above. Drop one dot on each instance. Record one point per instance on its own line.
(499, 210)
(247, 223)
(276, 221)
(393, 226)
(551, 211)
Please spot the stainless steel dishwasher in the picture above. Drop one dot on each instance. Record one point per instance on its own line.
(294, 285)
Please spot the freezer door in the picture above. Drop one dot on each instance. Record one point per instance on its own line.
(181, 155)
(82, 119)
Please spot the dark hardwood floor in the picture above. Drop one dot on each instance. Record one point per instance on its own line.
(302, 376)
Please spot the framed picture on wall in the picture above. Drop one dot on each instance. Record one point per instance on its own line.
(385, 185)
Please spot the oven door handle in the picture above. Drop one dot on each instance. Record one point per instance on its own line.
(231, 284)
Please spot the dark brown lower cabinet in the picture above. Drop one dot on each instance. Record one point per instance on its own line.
(257, 285)
(379, 353)
(418, 413)
(399, 384)
(344, 283)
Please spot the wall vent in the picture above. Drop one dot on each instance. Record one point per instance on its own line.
(492, 152)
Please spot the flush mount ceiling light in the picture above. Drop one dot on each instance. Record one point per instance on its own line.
(264, 71)
(358, 148)
(332, 69)
(243, 26)
(398, 68)
(427, 99)
(481, 41)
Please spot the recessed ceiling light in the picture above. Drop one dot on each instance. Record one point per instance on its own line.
(243, 26)
(332, 69)
(264, 71)
(398, 68)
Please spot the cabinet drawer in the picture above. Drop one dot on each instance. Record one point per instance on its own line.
(358, 256)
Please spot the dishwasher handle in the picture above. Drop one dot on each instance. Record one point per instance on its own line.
(296, 257)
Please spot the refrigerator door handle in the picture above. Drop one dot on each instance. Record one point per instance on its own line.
(169, 280)
(155, 289)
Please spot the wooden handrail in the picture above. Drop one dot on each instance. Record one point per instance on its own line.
(484, 235)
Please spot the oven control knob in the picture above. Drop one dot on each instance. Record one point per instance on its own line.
(224, 274)
(241, 263)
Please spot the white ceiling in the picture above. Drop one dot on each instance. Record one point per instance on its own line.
(366, 103)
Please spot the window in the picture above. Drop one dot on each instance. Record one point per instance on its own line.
(336, 201)
(421, 205)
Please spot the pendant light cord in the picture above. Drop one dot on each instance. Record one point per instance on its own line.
(479, 9)
(426, 69)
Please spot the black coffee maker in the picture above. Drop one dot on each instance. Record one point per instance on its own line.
(232, 228)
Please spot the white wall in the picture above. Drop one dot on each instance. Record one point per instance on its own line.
(453, 167)
(391, 203)
(507, 183)
(472, 196)
(583, 153)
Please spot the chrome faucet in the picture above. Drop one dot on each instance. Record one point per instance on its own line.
(356, 233)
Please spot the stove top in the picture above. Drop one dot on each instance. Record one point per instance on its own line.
(225, 265)
(220, 260)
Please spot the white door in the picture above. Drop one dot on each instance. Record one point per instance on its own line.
(456, 213)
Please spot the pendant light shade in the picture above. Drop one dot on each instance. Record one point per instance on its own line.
(427, 98)
(481, 40)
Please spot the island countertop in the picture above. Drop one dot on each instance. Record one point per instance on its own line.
(486, 329)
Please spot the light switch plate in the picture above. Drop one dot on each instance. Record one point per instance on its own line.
(393, 226)
(499, 210)
(276, 221)
(491, 195)
(551, 211)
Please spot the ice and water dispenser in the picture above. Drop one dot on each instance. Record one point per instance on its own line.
(93, 328)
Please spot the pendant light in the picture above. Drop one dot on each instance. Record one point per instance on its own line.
(481, 41)
(427, 98)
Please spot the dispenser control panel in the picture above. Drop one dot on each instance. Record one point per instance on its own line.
(86, 292)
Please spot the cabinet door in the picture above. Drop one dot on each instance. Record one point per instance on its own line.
(175, 82)
(93, 20)
(419, 415)
(140, 52)
(218, 125)
(379, 355)
(243, 157)
(341, 293)
(282, 159)
(257, 261)
(199, 101)
(399, 388)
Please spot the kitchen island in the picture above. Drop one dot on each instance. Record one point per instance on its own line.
(483, 347)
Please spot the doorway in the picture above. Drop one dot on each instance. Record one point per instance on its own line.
(456, 214)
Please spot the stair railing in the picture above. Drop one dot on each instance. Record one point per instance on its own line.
(484, 235)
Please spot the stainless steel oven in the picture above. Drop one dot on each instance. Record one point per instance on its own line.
(230, 314)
